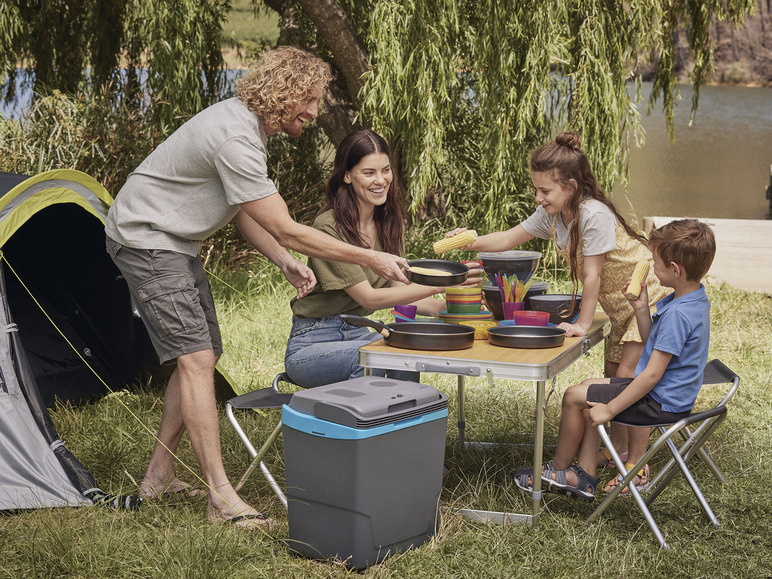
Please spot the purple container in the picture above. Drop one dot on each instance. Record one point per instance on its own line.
(510, 309)
(406, 310)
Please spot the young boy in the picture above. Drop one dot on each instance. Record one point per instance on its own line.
(669, 373)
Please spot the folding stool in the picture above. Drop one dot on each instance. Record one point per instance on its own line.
(265, 398)
(692, 442)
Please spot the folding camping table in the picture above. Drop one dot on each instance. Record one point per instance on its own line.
(483, 359)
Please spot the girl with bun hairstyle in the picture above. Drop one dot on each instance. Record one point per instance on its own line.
(601, 249)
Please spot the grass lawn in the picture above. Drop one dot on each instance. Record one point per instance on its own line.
(113, 437)
(244, 32)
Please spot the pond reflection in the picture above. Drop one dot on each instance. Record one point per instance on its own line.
(719, 167)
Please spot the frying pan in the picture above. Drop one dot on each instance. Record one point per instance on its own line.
(418, 335)
(526, 336)
(458, 272)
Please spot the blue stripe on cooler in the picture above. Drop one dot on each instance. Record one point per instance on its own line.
(317, 427)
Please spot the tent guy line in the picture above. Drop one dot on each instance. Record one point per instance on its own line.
(70, 334)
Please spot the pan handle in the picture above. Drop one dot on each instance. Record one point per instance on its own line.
(362, 322)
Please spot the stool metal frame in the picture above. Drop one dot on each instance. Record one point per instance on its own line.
(692, 444)
(263, 399)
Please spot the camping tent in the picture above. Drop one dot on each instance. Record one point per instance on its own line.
(70, 333)
(56, 276)
(59, 278)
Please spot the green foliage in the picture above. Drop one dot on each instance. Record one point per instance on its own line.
(74, 45)
(466, 90)
(463, 90)
(90, 135)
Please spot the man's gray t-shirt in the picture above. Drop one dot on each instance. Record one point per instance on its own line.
(597, 227)
(191, 185)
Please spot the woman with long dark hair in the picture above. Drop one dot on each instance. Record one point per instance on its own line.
(363, 209)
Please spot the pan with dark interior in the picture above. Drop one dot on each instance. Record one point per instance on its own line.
(526, 336)
(448, 272)
(418, 335)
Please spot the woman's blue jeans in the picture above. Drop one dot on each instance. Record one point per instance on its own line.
(326, 350)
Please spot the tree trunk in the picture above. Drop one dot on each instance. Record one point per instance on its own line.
(332, 23)
(351, 60)
(337, 115)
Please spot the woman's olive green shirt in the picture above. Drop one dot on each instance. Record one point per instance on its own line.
(329, 298)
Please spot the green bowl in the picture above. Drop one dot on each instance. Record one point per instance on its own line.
(462, 308)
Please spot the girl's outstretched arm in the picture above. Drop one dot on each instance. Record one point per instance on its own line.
(497, 241)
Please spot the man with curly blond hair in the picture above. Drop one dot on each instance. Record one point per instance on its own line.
(209, 171)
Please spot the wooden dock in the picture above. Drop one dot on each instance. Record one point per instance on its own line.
(743, 251)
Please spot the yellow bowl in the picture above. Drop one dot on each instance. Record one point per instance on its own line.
(463, 291)
(480, 327)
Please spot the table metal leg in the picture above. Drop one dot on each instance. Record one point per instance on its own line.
(538, 451)
(461, 419)
(538, 457)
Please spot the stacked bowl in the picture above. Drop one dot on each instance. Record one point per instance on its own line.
(480, 316)
(463, 300)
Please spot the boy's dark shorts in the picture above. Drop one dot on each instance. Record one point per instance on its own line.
(644, 412)
(174, 299)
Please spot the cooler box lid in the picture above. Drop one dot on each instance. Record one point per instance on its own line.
(368, 401)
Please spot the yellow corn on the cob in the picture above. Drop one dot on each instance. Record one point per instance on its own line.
(460, 240)
(429, 271)
(639, 274)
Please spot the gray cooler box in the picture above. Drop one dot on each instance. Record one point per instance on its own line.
(363, 465)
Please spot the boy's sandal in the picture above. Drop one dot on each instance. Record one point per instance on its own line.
(521, 481)
(585, 484)
(521, 476)
(529, 470)
(559, 482)
(606, 460)
(639, 480)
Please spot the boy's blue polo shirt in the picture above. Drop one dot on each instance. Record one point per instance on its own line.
(680, 327)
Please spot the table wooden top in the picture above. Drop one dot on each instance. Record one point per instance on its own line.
(486, 354)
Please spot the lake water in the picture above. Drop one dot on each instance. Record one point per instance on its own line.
(719, 167)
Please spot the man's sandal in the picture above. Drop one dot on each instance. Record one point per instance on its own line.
(585, 483)
(639, 480)
(606, 460)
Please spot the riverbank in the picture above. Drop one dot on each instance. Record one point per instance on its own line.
(743, 251)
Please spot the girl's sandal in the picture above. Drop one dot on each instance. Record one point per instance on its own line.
(606, 460)
(639, 480)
